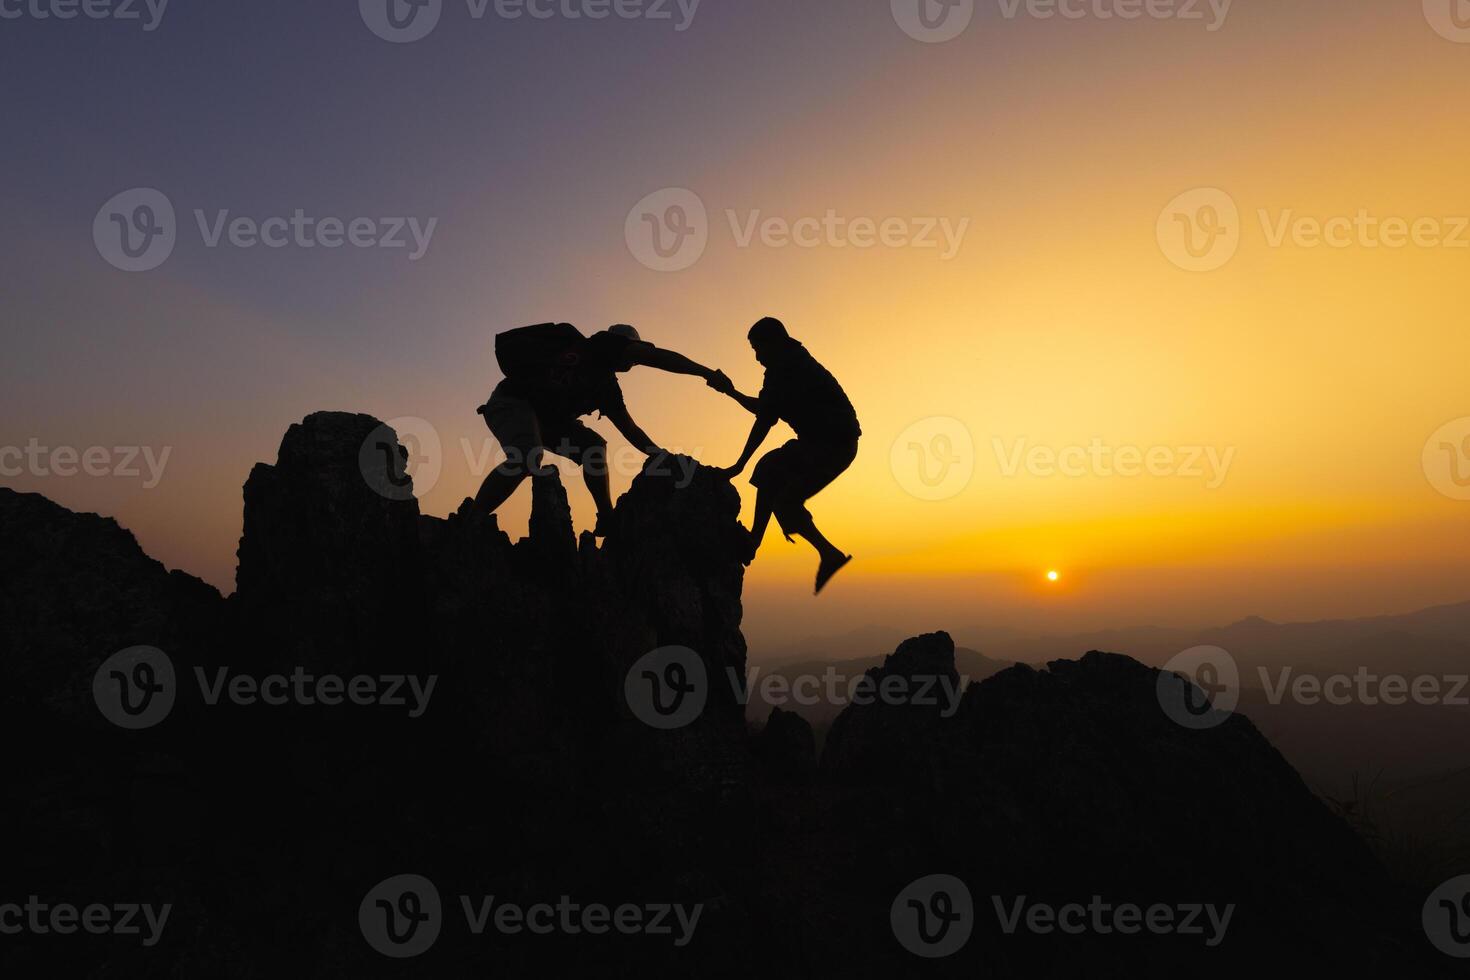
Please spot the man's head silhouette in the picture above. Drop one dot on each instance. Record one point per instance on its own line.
(624, 330)
(767, 338)
(628, 333)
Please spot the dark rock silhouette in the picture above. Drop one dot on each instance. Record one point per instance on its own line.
(1095, 790)
(529, 776)
(889, 739)
(786, 746)
(75, 588)
(326, 552)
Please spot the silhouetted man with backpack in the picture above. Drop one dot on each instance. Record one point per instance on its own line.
(804, 395)
(553, 376)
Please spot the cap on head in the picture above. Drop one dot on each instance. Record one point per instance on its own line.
(768, 330)
(624, 330)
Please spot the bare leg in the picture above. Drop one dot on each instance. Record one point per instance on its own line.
(496, 490)
(826, 549)
(832, 557)
(762, 521)
(599, 482)
(762, 516)
(502, 482)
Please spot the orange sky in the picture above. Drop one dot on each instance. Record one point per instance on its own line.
(1319, 372)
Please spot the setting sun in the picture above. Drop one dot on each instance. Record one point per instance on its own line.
(1052, 576)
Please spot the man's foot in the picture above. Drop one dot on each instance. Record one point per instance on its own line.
(604, 524)
(830, 566)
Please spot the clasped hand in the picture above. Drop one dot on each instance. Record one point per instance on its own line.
(720, 382)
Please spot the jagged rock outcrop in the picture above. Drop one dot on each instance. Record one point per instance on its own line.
(74, 589)
(895, 728)
(335, 550)
(786, 746)
(672, 559)
(83, 801)
(1072, 781)
(330, 542)
(532, 776)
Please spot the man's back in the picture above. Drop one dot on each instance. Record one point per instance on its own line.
(802, 393)
(579, 378)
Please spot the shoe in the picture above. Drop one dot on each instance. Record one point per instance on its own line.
(828, 569)
(604, 524)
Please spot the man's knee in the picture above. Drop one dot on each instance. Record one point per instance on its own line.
(792, 515)
(522, 462)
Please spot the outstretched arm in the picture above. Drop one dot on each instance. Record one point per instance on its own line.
(725, 386)
(624, 422)
(751, 405)
(667, 360)
(758, 435)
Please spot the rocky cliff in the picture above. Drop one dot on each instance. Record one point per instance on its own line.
(534, 770)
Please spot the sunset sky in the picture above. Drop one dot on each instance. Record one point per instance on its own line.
(1061, 320)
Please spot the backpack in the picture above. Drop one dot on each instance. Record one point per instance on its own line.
(546, 352)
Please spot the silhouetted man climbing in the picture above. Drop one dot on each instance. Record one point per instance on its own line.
(553, 376)
(804, 395)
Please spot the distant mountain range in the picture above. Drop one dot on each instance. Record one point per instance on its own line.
(1399, 745)
(819, 711)
(1433, 640)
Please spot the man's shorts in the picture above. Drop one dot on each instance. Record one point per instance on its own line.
(794, 473)
(521, 430)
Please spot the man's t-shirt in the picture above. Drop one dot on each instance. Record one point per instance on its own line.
(805, 395)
